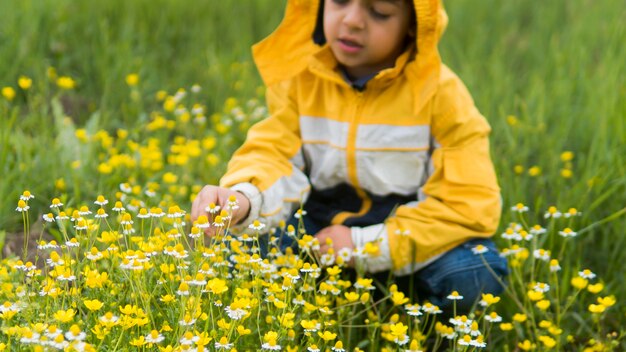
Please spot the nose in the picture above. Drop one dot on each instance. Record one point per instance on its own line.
(353, 17)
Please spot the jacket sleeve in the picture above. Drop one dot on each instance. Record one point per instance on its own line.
(268, 167)
(459, 201)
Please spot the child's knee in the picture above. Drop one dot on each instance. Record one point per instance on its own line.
(466, 273)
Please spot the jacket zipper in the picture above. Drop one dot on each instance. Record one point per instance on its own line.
(351, 160)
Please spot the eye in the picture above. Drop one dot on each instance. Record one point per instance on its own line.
(377, 14)
(341, 2)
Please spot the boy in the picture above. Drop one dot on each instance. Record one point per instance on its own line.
(378, 139)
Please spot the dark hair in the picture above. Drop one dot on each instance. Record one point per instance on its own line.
(318, 33)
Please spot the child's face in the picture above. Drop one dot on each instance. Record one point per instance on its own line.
(366, 36)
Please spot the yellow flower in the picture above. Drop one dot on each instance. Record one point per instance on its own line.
(167, 298)
(543, 304)
(105, 168)
(8, 93)
(65, 316)
(327, 335)
(132, 79)
(607, 301)
(65, 82)
(140, 341)
(545, 324)
(535, 295)
(398, 298)
(534, 171)
(579, 282)
(518, 169)
(519, 317)
(24, 82)
(512, 120)
(93, 305)
(555, 331)
(526, 345)
(351, 296)
(595, 288)
(567, 156)
(243, 331)
(217, 286)
(566, 173)
(489, 299)
(506, 326)
(398, 330)
(547, 341)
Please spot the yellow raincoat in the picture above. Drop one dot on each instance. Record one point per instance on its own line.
(413, 137)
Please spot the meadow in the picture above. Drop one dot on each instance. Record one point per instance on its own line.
(142, 103)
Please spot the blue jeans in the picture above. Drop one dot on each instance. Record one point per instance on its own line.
(457, 270)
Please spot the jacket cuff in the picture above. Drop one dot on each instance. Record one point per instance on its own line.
(254, 196)
(377, 234)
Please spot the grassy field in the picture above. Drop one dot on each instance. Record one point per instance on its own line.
(549, 78)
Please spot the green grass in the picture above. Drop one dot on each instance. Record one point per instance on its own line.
(558, 68)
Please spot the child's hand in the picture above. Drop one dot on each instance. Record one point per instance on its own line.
(219, 196)
(340, 235)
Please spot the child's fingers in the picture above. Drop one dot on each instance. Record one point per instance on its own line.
(206, 196)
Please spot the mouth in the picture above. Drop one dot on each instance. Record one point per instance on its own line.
(349, 46)
(350, 43)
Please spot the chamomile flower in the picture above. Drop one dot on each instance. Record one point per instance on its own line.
(223, 344)
(56, 203)
(327, 259)
(126, 188)
(84, 210)
(257, 225)
(537, 230)
(101, 201)
(26, 195)
(299, 213)
(431, 308)
(345, 253)
(586, 274)
(48, 217)
(22, 206)
(101, 214)
(157, 212)
(218, 221)
(455, 296)
(519, 208)
(187, 321)
(118, 207)
(212, 208)
(552, 212)
(154, 337)
(511, 234)
(554, 265)
(233, 203)
(143, 213)
(94, 254)
(493, 317)
(81, 224)
(338, 347)
(541, 287)
(479, 249)
(542, 254)
(567, 232)
(413, 310)
(571, 212)
(75, 334)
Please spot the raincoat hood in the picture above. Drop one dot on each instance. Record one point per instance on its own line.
(289, 49)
